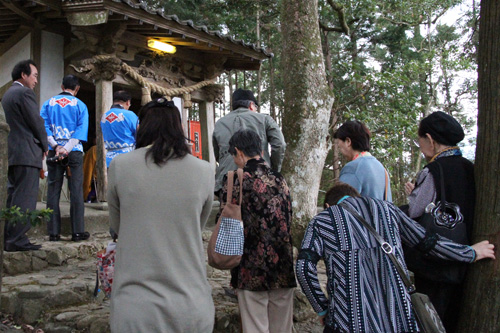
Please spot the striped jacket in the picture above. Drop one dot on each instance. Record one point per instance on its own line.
(366, 293)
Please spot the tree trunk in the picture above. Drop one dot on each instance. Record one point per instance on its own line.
(259, 73)
(308, 103)
(482, 293)
(272, 104)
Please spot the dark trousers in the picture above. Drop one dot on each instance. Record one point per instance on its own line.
(22, 191)
(446, 298)
(75, 181)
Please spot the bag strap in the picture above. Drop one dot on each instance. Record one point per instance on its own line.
(240, 180)
(443, 196)
(386, 247)
(386, 194)
(230, 182)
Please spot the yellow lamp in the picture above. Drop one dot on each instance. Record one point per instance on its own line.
(157, 45)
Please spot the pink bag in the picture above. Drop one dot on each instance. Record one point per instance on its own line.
(106, 268)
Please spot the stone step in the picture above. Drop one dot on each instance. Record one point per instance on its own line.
(27, 296)
(96, 219)
(52, 254)
(94, 315)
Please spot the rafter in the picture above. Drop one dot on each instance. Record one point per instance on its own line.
(17, 10)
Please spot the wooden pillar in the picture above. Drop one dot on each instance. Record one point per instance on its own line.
(4, 165)
(207, 129)
(104, 100)
(36, 56)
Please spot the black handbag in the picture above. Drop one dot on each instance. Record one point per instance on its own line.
(443, 218)
(428, 320)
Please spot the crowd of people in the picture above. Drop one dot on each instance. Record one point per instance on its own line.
(160, 198)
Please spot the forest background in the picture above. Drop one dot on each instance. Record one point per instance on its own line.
(388, 64)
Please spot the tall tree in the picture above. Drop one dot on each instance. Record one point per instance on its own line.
(482, 297)
(308, 104)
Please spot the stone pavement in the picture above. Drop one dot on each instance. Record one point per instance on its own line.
(53, 288)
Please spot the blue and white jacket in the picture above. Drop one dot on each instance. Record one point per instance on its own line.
(66, 117)
(118, 130)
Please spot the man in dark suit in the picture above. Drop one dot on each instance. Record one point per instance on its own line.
(27, 147)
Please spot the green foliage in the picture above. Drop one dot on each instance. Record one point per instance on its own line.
(14, 215)
(396, 64)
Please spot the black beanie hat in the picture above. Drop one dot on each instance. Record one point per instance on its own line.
(442, 127)
(244, 95)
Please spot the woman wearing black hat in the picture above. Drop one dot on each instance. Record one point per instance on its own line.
(439, 134)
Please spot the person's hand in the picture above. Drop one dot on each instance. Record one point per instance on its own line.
(45, 153)
(409, 188)
(484, 250)
(322, 320)
(60, 151)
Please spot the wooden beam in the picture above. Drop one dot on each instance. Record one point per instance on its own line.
(14, 39)
(104, 98)
(17, 10)
(53, 4)
(207, 128)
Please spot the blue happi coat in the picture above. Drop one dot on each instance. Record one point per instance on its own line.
(118, 130)
(66, 117)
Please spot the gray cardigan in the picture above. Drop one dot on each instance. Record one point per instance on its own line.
(160, 282)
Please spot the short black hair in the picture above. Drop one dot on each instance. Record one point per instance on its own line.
(121, 96)
(337, 192)
(357, 132)
(70, 82)
(247, 141)
(22, 67)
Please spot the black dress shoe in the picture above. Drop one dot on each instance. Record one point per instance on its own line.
(80, 236)
(27, 247)
(54, 238)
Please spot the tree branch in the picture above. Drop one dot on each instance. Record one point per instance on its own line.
(341, 15)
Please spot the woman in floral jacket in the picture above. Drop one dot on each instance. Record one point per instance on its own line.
(265, 279)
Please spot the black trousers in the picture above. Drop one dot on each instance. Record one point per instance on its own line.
(22, 191)
(75, 181)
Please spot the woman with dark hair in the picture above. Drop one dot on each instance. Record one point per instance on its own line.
(264, 280)
(159, 198)
(438, 136)
(363, 171)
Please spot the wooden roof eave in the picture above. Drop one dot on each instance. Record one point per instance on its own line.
(156, 19)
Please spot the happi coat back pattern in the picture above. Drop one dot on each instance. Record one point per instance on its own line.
(66, 117)
(119, 128)
(366, 292)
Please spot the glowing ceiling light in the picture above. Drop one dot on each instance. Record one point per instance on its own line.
(157, 45)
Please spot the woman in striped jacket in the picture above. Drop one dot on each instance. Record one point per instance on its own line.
(365, 292)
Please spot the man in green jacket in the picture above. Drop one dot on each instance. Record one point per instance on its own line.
(245, 116)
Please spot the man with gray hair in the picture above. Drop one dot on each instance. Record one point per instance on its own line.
(244, 116)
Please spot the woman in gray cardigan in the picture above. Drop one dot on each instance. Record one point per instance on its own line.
(160, 197)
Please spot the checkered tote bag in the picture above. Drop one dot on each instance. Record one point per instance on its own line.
(225, 246)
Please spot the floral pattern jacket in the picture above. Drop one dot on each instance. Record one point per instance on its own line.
(266, 211)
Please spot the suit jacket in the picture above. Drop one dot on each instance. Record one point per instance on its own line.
(27, 137)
